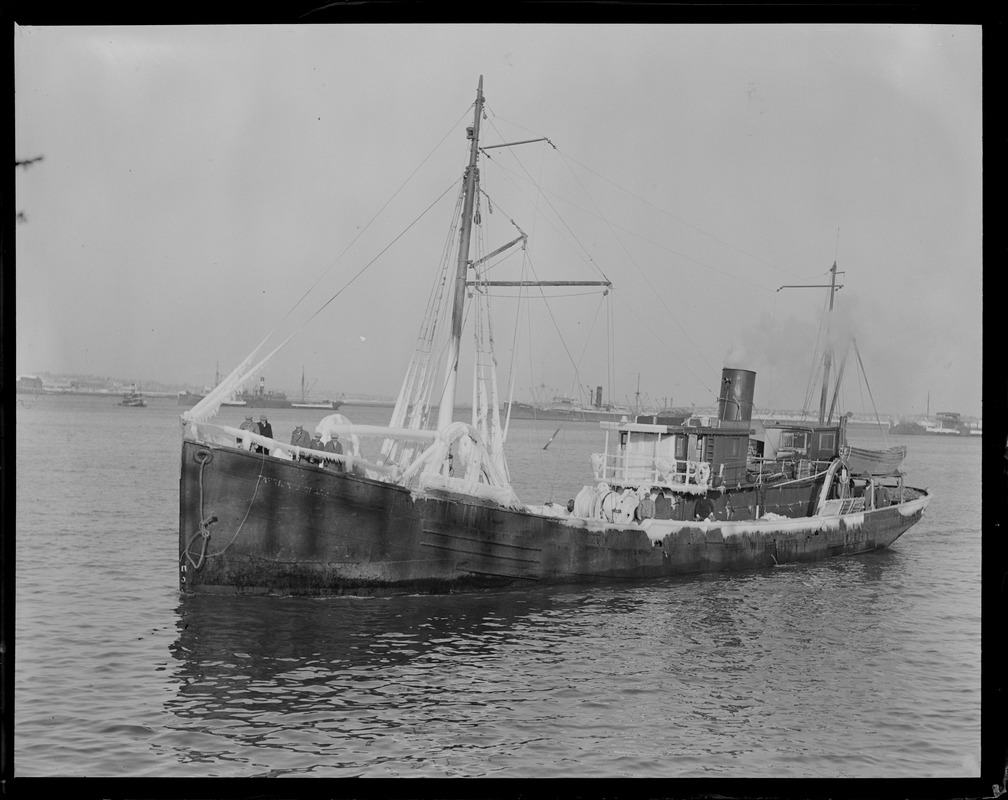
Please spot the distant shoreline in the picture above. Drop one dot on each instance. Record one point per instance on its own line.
(361, 402)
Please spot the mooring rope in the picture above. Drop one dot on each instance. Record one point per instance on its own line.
(204, 457)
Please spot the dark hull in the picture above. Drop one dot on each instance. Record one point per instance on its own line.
(252, 401)
(263, 402)
(282, 527)
(189, 399)
(524, 411)
(331, 405)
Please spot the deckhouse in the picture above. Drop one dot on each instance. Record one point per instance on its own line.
(676, 460)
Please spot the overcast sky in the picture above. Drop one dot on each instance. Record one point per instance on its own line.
(197, 181)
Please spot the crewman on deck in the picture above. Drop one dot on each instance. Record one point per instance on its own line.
(300, 438)
(316, 444)
(334, 446)
(704, 509)
(882, 498)
(265, 429)
(247, 425)
(843, 487)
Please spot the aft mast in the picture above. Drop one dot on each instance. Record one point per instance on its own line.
(828, 355)
(446, 409)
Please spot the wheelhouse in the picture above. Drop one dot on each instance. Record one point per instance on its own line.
(798, 449)
(685, 455)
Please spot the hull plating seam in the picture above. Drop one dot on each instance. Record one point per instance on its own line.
(478, 554)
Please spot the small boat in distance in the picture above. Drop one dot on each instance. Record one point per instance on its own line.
(305, 402)
(133, 398)
(428, 505)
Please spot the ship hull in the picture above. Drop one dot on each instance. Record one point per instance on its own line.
(263, 402)
(290, 528)
(525, 411)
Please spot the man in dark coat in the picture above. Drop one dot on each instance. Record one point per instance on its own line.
(316, 444)
(334, 446)
(704, 509)
(265, 429)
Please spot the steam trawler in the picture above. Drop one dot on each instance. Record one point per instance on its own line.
(432, 508)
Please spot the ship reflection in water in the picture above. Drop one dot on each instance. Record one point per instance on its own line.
(516, 683)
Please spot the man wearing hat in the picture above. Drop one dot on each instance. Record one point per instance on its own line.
(247, 425)
(333, 446)
(316, 444)
(300, 438)
(265, 429)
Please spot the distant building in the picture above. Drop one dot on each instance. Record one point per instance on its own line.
(31, 384)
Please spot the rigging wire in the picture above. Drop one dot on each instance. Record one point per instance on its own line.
(611, 348)
(680, 220)
(540, 192)
(377, 214)
(240, 374)
(632, 260)
(380, 254)
(865, 374)
(601, 217)
(661, 210)
(815, 368)
(590, 329)
(662, 340)
(655, 292)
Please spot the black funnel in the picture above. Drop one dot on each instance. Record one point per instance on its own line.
(736, 398)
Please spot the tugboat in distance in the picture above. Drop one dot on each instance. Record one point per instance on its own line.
(133, 398)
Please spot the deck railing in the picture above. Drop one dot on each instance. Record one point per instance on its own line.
(762, 469)
(640, 469)
(846, 505)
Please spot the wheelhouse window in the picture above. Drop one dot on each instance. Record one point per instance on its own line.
(827, 441)
(794, 440)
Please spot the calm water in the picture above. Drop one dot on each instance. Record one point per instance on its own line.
(866, 666)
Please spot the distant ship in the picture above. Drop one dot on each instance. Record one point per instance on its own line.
(189, 399)
(564, 409)
(259, 397)
(133, 398)
(945, 423)
(330, 405)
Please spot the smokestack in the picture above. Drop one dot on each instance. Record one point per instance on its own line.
(736, 399)
(598, 397)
